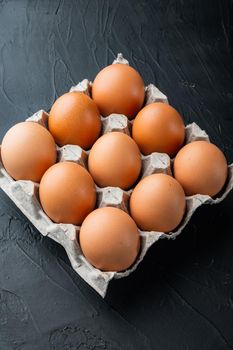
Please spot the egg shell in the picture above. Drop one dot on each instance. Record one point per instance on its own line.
(158, 127)
(71, 115)
(118, 88)
(157, 203)
(109, 239)
(115, 160)
(27, 151)
(25, 195)
(201, 167)
(72, 201)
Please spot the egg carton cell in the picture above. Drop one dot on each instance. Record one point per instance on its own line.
(25, 193)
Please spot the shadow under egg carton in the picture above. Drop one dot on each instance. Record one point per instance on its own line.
(25, 193)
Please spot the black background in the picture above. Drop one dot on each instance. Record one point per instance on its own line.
(181, 295)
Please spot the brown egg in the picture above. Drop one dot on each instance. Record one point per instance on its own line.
(115, 160)
(200, 167)
(27, 151)
(74, 119)
(118, 88)
(157, 203)
(109, 239)
(158, 127)
(67, 193)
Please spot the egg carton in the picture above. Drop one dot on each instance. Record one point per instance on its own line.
(25, 193)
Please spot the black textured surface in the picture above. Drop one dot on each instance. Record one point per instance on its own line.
(181, 296)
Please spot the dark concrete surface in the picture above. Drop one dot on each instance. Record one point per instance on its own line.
(181, 295)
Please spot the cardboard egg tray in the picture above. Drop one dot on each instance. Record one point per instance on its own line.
(25, 193)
